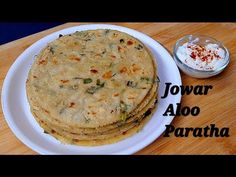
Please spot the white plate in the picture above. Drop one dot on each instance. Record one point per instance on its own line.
(20, 120)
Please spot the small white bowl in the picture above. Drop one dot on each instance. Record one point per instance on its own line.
(203, 41)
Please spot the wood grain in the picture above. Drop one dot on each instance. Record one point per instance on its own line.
(218, 107)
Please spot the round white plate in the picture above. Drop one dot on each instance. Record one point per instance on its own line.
(22, 123)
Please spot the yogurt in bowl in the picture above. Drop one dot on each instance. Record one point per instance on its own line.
(200, 56)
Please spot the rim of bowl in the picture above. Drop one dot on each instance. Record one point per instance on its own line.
(203, 71)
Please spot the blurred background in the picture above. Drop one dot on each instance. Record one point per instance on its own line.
(12, 31)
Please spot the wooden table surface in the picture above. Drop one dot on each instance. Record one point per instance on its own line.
(218, 107)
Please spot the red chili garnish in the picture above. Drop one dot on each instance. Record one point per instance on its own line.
(193, 55)
(93, 71)
(77, 59)
(116, 94)
(129, 42)
(74, 58)
(42, 62)
(107, 75)
(71, 104)
(64, 81)
(204, 58)
(123, 70)
(46, 111)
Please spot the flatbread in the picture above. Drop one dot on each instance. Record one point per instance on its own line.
(107, 132)
(92, 85)
(99, 142)
(46, 117)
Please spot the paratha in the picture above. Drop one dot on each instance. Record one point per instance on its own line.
(97, 142)
(91, 82)
(46, 117)
(106, 132)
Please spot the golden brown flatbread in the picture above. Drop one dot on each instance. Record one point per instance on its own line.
(92, 84)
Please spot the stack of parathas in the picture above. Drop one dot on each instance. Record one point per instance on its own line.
(93, 87)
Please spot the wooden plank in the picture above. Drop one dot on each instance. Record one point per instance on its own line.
(218, 107)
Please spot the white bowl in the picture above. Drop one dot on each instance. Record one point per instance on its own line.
(200, 40)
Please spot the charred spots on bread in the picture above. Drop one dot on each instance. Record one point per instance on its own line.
(156, 101)
(107, 31)
(122, 41)
(87, 120)
(157, 79)
(45, 132)
(132, 84)
(148, 112)
(138, 47)
(52, 50)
